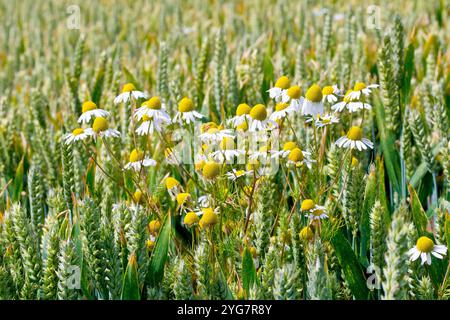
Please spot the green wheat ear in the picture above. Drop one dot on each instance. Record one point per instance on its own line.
(395, 277)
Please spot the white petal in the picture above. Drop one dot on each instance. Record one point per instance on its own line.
(440, 249)
(437, 255)
(423, 257)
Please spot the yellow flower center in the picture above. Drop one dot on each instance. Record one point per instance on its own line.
(354, 162)
(242, 109)
(77, 131)
(290, 145)
(171, 183)
(307, 233)
(146, 118)
(259, 112)
(199, 165)
(294, 92)
(296, 155)
(185, 105)
(128, 88)
(136, 155)
(100, 124)
(281, 106)
(347, 98)
(243, 126)
(359, 86)
(227, 144)
(154, 226)
(327, 90)
(209, 125)
(150, 244)
(213, 130)
(191, 218)
(137, 196)
(307, 204)
(239, 173)
(425, 244)
(88, 106)
(182, 197)
(153, 103)
(211, 170)
(314, 93)
(209, 218)
(283, 82)
(355, 133)
(317, 212)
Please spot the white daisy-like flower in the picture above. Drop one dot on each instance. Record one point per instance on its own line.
(284, 153)
(313, 103)
(204, 201)
(89, 109)
(360, 88)
(153, 109)
(263, 153)
(173, 187)
(100, 127)
(77, 135)
(282, 110)
(148, 126)
(215, 135)
(209, 217)
(330, 93)
(280, 86)
(236, 174)
(317, 213)
(129, 91)
(293, 95)
(227, 151)
(322, 121)
(242, 115)
(259, 120)
(298, 157)
(354, 139)
(137, 161)
(350, 103)
(186, 112)
(424, 248)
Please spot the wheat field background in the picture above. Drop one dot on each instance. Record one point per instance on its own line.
(135, 138)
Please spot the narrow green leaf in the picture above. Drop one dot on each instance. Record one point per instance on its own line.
(382, 190)
(130, 288)
(248, 270)
(18, 182)
(409, 69)
(390, 153)
(350, 266)
(418, 214)
(223, 281)
(90, 176)
(159, 256)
